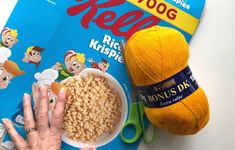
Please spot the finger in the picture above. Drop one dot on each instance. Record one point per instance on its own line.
(16, 138)
(28, 116)
(58, 114)
(42, 118)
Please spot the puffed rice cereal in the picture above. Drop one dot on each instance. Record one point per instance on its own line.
(92, 108)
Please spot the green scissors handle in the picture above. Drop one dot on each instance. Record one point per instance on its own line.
(133, 120)
(136, 120)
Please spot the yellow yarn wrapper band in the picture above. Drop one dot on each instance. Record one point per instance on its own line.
(169, 91)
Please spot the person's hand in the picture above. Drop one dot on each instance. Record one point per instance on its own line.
(40, 136)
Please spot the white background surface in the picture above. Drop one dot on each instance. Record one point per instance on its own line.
(213, 63)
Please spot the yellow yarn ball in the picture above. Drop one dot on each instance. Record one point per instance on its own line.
(153, 55)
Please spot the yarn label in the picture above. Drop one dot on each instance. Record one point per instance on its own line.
(169, 91)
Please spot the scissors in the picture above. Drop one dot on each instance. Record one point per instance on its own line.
(136, 118)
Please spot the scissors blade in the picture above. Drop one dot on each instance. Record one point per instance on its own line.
(133, 93)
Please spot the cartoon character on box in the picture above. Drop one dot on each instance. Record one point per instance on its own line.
(8, 69)
(74, 64)
(9, 37)
(33, 55)
(47, 78)
(2, 133)
(103, 65)
(7, 145)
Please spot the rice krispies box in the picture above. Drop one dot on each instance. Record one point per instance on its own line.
(47, 41)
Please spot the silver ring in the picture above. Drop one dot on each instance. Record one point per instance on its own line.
(27, 131)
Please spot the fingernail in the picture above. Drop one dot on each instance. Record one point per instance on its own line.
(26, 95)
(62, 91)
(4, 120)
(26, 98)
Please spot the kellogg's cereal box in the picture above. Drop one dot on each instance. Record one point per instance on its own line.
(47, 41)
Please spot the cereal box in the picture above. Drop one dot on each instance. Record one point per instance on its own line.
(48, 41)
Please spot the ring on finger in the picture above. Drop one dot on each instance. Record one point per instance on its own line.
(29, 130)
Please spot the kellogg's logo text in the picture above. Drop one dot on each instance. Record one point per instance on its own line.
(104, 19)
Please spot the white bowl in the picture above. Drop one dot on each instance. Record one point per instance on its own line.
(105, 138)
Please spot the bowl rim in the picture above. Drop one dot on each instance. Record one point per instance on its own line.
(124, 110)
